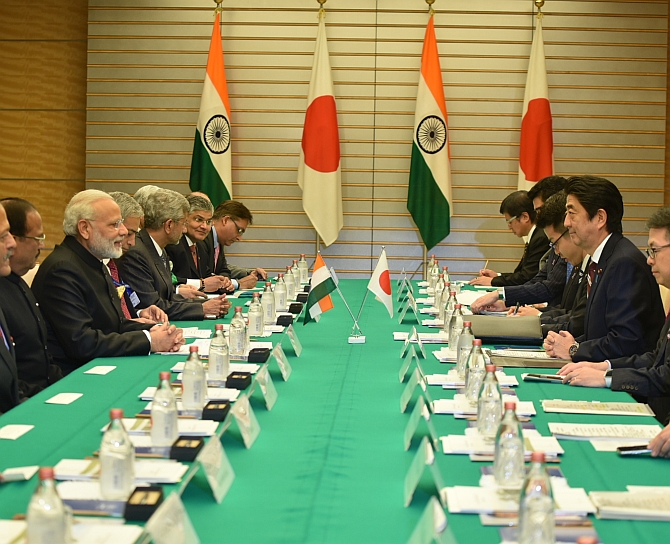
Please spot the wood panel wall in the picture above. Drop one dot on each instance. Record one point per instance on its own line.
(43, 108)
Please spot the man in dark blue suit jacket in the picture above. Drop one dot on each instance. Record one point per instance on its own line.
(624, 312)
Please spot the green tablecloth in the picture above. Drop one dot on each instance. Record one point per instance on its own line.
(329, 463)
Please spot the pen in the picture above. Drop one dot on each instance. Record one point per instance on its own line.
(516, 310)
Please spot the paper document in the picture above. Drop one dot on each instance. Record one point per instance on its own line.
(468, 297)
(426, 337)
(100, 370)
(195, 332)
(213, 393)
(64, 398)
(520, 353)
(578, 431)
(596, 407)
(12, 432)
(637, 505)
(454, 381)
(446, 355)
(146, 471)
(460, 405)
(465, 445)
(203, 348)
(18, 474)
(234, 367)
(187, 427)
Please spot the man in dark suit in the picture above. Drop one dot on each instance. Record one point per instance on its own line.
(624, 312)
(229, 223)
(190, 256)
(519, 214)
(146, 267)
(646, 375)
(9, 380)
(27, 327)
(77, 296)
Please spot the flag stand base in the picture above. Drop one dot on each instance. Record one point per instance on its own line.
(357, 339)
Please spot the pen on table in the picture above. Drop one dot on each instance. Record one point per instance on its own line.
(486, 264)
(516, 310)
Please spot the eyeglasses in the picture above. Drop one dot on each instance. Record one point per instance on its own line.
(651, 251)
(511, 219)
(38, 239)
(552, 245)
(116, 225)
(200, 220)
(240, 230)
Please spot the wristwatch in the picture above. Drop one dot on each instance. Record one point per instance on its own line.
(608, 379)
(202, 285)
(573, 349)
(501, 293)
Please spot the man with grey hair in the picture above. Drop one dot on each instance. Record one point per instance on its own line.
(147, 268)
(143, 193)
(190, 257)
(77, 296)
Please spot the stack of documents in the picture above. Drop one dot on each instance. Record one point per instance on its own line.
(638, 503)
(451, 380)
(425, 337)
(213, 393)
(234, 367)
(146, 471)
(597, 407)
(579, 431)
(446, 355)
(461, 405)
(91, 531)
(454, 444)
(187, 427)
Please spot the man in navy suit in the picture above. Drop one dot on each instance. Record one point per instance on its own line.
(624, 312)
(646, 375)
(9, 380)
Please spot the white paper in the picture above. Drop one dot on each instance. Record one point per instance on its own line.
(446, 355)
(186, 427)
(64, 398)
(465, 445)
(426, 338)
(234, 367)
(146, 471)
(213, 393)
(463, 406)
(12, 432)
(520, 353)
(203, 348)
(11, 530)
(585, 431)
(452, 380)
(19, 473)
(597, 407)
(100, 370)
(468, 297)
(612, 445)
(97, 533)
(195, 332)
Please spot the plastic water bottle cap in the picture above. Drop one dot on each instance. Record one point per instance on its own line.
(458, 306)
(510, 405)
(46, 473)
(238, 309)
(490, 368)
(116, 413)
(164, 376)
(218, 327)
(537, 457)
(477, 342)
(467, 323)
(192, 349)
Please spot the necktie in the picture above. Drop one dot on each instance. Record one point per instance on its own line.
(217, 250)
(525, 250)
(195, 255)
(164, 258)
(592, 274)
(114, 272)
(4, 339)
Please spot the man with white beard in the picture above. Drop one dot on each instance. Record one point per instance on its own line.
(79, 299)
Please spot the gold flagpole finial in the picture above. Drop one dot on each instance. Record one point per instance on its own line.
(538, 5)
(322, 10)
(218, 8)
(430, 6)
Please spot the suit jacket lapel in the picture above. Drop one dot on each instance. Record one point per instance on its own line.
(157, 259)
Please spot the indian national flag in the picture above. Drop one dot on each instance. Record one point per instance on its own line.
(536, 149)
(319, 174)
(429, 197)
(319, 300)
(211, 162)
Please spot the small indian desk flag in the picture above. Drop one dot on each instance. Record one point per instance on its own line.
(536, 149)
(319, 300)
(429, 196)
(319, 174)
(211, 161)
(380, 283)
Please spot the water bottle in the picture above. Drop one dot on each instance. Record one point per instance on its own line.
(448, 310)
(46, 519)
(439, 290)
(296, 274)
(303, 269)
(464, 348)
(280, 294)
(445, 273)
(536, 505)
(256, 326)
(289, 280)
(164, 428)
(508, 465)
(433, 275)
(475, 371)
(219, 358)
(455, 326)
(193, 386)
(268, 304)
(237, 334)
(117, 460)
(489, 405)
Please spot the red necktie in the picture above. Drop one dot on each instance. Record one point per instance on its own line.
(592, 274)
(114, 272)
(217, 250)
(195, 255)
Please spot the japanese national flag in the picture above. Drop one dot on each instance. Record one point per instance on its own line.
(380, 283)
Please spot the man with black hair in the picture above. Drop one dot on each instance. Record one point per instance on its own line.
(624, 312)
(543, 189)
(519, 214)
(24, 318)
(646, 375)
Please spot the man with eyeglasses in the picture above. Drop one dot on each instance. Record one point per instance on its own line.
(24, 319)
(148, 269)
(519, 215)
(190, 255)
(78, 298)
(229, 223)
(624, 312)
(646, 375)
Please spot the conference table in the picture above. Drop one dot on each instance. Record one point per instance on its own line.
(329, 464)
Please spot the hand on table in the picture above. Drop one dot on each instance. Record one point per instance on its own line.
(188, 291)
(558, 344)
(166, 338)
(660, 445)
(484, 301)
(153, 314)
(523, 311)
(218, 306)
